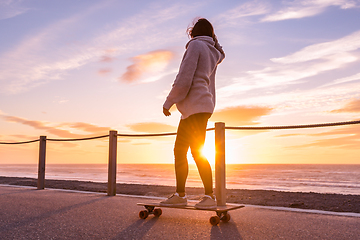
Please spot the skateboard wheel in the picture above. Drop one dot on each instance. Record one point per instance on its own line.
(157, 212)
(214, 220)
(226, 217)
(143, 214)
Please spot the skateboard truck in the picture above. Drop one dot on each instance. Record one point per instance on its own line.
(150, 210)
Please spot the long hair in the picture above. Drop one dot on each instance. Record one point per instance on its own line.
(202, 27)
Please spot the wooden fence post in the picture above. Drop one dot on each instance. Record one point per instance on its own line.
(220, 175)
(41, 166)
(111, 191)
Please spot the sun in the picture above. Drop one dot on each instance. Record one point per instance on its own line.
(208, 149)
(235, 153)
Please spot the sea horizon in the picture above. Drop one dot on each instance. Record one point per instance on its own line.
(320, 178)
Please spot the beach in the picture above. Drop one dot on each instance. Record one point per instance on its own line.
(317, 201)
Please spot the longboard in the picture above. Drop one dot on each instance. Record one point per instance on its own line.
(221, 211)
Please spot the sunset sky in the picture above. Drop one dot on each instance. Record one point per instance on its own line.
(72, 69)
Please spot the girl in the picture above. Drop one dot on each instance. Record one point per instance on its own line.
(193, 92)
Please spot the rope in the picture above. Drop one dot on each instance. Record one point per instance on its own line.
(153, 134)
(209, 129)
(252, 128)
(295, 126)
(20, 142)
(145, 135)
(75, 139)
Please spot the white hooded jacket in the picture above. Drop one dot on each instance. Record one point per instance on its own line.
(193, 90)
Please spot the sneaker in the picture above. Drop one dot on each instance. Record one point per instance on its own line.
(207, 202)
(174, 200)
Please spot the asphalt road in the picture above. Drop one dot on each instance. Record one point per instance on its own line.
(51, 214)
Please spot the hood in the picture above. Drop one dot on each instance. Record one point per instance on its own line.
(207, 39)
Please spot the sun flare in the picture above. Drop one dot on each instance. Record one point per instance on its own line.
(208, 149)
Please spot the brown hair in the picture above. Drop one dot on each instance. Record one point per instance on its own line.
(202, 27)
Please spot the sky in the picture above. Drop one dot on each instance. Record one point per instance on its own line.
(79, 68)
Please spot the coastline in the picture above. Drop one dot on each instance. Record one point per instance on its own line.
(316, 201)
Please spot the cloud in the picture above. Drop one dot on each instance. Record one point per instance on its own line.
(151, 127)
(63, 101)
(317, 101)
(284, 73)
(355, 77)
(240, 115)
(307, 62)
(288, 135)
(30, 64)
(301, 9)
(353, 107)
(106, 59)
(41, 126)
(349, 138)
(141, 143)
(349, 142)
(64, 130)
(104, 71)
(88, 127)
(21, 136)
(151, 62)
(323, 50)
(248, 9)
(347, 130)
(11, 8)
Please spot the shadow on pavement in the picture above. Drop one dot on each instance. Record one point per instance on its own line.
(16, 192)
(137, 230)
(32, 220)
(225, 231)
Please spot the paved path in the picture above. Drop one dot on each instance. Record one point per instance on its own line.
(53, 214)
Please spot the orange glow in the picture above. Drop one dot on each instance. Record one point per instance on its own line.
(208, 149)
(154, 61)
(240, 115)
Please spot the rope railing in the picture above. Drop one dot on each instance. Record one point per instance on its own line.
(296, 126)
(146, 135)
(209, 129)
(31, 141)
(75, 139)
(153, 134)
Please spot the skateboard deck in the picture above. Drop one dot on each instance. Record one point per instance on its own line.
(221, 211)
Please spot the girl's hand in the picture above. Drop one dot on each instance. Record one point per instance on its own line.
(166, 112)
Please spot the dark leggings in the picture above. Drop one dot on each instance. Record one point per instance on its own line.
(191, 133)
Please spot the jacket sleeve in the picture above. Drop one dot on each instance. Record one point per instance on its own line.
(184, 78)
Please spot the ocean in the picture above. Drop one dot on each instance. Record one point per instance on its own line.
(339, 179)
